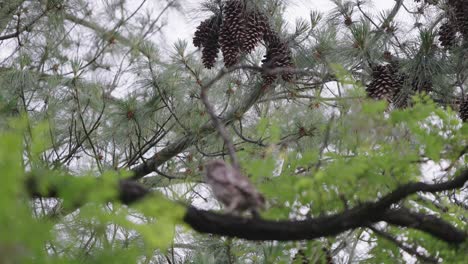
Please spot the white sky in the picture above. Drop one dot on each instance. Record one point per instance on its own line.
(183, 26)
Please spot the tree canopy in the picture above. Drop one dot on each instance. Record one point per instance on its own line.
(352, 124)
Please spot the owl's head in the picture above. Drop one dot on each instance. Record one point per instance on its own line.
(216, 171)
(214, 164)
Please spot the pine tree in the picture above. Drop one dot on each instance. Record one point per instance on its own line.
(97, 111)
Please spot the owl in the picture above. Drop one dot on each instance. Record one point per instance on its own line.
(232, 188)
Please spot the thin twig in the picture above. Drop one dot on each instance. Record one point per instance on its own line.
(217, 122)
(22, 29)
(410, 250)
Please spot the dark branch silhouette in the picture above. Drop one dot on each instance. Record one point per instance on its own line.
(287, 230)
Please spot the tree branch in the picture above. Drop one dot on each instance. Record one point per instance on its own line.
(23, 28)
(181, 144)
(410, 250)
(219, 124)
(426, 223)
(287, 230)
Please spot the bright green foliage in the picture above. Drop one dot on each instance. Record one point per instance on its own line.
(22, 236)
(27, 237)
(376, 153)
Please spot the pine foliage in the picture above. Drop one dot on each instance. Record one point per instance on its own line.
(326, 114)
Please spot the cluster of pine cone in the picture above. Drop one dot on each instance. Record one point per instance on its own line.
(457, 21)
(387, 83)
(236, 30)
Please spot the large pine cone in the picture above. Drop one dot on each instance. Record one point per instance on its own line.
(386, 82)
(447, 34)
(202, 34)
(278, 56)
(210, 52)
(231, 33)
(460, 10)
(256, 24)
(206, 37)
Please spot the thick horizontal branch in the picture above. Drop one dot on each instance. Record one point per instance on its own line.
(412, 188)
(287, 230)
(129, 191)
(426, 223)
(359, 216)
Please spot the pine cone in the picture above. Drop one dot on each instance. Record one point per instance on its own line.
(348, 21)
(464, 109)
(256, 24)
(386, 82)
(447, 34)
(210, 52)
(278, 56)
(232, 29)
(206, 37)
(460, 11)
(202, 33)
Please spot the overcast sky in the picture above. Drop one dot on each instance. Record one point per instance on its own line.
(183, 26)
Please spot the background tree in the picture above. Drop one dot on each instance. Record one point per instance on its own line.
(359, 148)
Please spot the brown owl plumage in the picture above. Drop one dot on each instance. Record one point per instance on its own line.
(232, 188)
